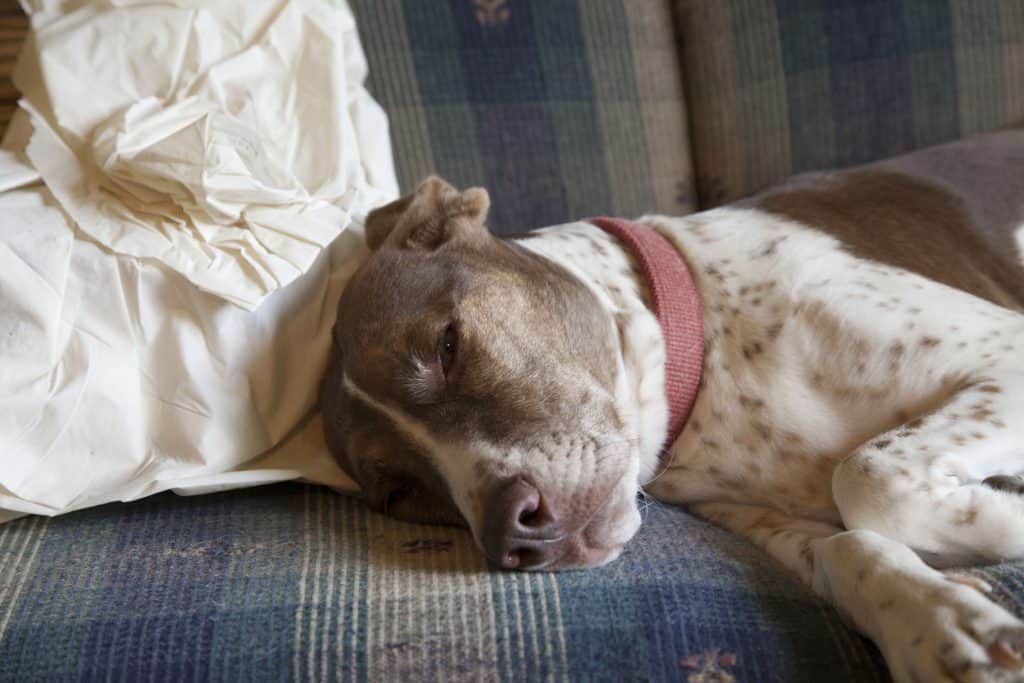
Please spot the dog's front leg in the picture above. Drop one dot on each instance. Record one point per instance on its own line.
(930, 625)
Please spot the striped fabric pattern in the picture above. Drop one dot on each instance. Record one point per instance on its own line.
(294, 582)
(560, 109)
(778, 87)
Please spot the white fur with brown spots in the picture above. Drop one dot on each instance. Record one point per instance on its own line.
(861, 423)
(848, 416)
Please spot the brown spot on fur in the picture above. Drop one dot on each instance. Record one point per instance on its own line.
(968, 517)
(892, 218)
(763, 430)
(865, 466)
(990, 389)
(882, 443)
(770, 248)
(981, 414)
(806, 554)
(930, 342)
(751, 403)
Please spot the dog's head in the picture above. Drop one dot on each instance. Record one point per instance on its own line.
(474, 382)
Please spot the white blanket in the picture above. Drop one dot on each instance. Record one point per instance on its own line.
(167, 293)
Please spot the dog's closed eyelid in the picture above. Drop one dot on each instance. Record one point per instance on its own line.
(448, 348)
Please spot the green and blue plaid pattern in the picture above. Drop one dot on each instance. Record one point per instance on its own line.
(294, 582)
(561, 109)
(777, 87)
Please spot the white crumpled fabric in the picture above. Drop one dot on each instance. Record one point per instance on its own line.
(167, 291)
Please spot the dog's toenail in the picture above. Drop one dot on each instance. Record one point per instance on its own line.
(1003, 654)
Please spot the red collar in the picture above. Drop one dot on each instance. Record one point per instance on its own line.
(676, 305)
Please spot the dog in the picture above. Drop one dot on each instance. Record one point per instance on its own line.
(858, 411)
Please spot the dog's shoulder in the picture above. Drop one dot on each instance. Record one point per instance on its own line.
(809, 350)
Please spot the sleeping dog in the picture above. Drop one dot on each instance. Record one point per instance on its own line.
(834, 370)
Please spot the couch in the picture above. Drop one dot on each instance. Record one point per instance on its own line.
(563, 109)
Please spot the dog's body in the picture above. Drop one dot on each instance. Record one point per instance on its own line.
(853, 416)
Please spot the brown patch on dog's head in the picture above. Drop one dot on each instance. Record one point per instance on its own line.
(457, 353)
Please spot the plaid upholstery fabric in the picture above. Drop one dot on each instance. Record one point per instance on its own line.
(296, 583)
(561, 109)
(784, 86)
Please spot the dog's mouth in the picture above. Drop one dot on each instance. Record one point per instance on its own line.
(602, 540)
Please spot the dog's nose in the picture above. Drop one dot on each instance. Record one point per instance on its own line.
(520, 530)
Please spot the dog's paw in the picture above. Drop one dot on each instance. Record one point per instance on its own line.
(951, 631)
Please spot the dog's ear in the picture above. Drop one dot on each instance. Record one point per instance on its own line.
(381, 221)
(435, 214)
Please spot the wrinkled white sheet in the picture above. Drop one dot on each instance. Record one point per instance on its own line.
(167, 291)
(225, 139)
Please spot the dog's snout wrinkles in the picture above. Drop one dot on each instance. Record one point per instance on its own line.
(520, 530)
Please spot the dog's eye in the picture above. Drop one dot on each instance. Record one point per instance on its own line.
(448, 347)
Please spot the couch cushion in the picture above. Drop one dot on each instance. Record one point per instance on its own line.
(561, 109)
(293, 582)
(784, 86)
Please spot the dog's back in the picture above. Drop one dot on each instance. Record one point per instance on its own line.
(951, 213)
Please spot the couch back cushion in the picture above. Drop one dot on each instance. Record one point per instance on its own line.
(778, 87)
(561, 109)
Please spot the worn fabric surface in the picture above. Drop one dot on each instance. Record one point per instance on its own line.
(291, 582)
(560, 109)
(778, 87)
